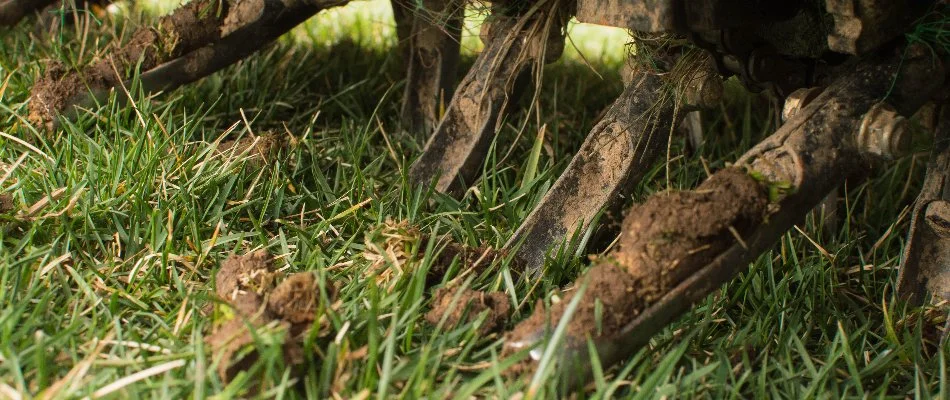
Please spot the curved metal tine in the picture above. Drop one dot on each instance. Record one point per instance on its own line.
(430, 45)
(616, 154)
(457, 148)
(278, 17)
(194, 25)
(248, 26)
(821, 133)
(926, 259)
(618, 151)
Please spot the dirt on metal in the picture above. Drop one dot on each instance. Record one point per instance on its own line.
(456, 150)
(664, 240)
(462, 306)
(256, 302)
(189, 27)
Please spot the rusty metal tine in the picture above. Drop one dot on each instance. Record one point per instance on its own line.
(274, 19)
(455, 151)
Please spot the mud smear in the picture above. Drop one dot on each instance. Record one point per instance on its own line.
(243, 13)
(255, 303)
(664, 240)
(469, 305)
(187, 28)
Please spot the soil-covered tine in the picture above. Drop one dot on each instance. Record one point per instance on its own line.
(618, 151)
(196, 40)
(677, 247)
(455, 151)
(187, 28)
(276, 19)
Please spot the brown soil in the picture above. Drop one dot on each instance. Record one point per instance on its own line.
(6, 203)
(250, 273)
(187, 28)
(257, 303)
(469, 306)
(664, 240)
(296, 299)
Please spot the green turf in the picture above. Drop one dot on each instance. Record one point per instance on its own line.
(115, 275)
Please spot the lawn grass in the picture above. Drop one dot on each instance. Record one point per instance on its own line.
(115, 275)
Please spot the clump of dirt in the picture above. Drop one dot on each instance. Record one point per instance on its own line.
(243, 275)
(296, 300)
(6, 203)
(467, 306)
(390, 249)
(256, 303)
(260, 150)
(474, 259)
(187, 28)
(663, 241)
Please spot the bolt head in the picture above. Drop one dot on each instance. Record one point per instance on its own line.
(884, 132)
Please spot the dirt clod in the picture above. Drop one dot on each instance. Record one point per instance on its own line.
(252, 272)
(256, 303)
(469, 306)
(296, 299)
(6, 203)
(391, 248)
(664, 241)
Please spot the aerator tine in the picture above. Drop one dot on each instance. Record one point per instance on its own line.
(517, 36)
(677, 247)
(194, 41)
(205, 36)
